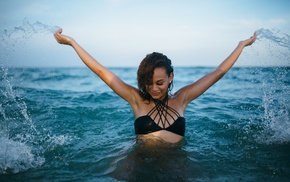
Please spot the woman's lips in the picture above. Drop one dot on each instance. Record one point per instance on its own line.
(155, 93)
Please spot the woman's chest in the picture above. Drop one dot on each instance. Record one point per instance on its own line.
(159, 109)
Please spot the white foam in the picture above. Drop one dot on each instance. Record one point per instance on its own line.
(16, 156)
(276, 104)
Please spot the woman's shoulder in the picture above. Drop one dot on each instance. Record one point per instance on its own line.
(177, 100)
(179, 95)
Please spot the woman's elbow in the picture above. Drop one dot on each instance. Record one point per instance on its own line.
(220, 72)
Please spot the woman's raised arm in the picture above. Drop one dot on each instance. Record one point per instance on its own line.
(124, 90)
(192, 91)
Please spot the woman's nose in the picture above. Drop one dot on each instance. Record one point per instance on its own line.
(154, 87)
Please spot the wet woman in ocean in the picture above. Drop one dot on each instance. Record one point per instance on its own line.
(158, 113)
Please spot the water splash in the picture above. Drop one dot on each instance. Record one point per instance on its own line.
(22, 144)
(276, 105)
(275, 87)
(272, 48)
(25, 31)
(271, 52)
(11, 98)
(276, 36)
(16, 153)
(17, 38)
(17, 156)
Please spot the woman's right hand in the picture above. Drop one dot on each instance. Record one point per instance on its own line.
(62, 39)
(249, 41)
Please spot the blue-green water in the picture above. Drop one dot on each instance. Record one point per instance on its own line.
(65, 124)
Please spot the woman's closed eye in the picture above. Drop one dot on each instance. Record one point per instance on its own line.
(160, 83)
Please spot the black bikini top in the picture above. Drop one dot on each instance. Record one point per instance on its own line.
(160, 117)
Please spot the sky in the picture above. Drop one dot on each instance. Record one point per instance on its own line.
(120, 33)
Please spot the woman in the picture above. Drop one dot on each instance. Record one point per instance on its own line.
(157, 113)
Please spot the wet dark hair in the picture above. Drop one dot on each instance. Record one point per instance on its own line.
(146, 70)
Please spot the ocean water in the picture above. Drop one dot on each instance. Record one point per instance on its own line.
(65, 124)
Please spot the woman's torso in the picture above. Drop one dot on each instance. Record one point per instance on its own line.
(156, 119)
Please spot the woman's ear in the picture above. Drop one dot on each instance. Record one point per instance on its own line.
(171, 77)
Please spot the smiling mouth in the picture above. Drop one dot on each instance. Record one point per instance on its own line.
(154, 93)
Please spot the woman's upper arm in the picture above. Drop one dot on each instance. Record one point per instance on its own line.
(194, 90)
(124, 90)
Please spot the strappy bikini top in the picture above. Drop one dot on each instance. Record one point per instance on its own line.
(158, 119)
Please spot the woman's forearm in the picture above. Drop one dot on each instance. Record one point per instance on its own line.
(224, 67)
(93, 64)
(89, 61)
(233, 57)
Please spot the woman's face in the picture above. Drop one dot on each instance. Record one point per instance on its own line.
(160, 82)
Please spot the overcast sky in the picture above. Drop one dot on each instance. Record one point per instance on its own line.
(122, 32)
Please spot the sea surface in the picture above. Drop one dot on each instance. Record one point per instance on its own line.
(65, 124)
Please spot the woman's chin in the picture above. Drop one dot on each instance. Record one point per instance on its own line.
(157, 97)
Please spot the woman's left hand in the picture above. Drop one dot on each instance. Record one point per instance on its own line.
(249, 41)
(62, 39)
